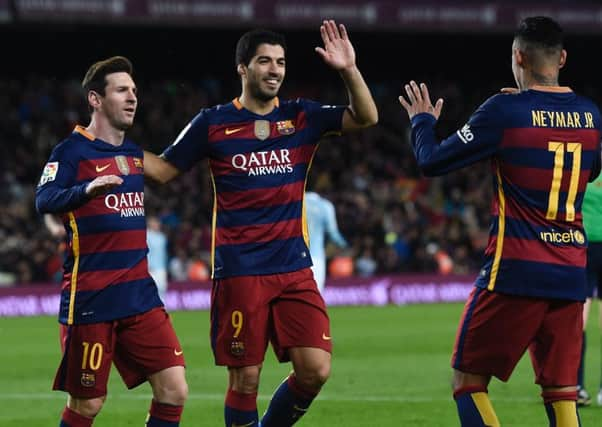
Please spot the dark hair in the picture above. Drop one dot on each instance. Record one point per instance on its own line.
(95, 76)
(540, 32)
(246, 48)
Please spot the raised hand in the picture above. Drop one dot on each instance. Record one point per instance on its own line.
(419, 101)
(338, 51)
(102, 184)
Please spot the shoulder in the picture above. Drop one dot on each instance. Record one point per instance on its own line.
(588, 103)
(302, 104)
(131, 146)
(68, 147)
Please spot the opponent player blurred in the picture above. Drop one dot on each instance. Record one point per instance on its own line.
(110, 310)
(544, 145)
(259, 150)
(321, 224)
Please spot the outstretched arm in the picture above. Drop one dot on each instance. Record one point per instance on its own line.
(158, 169)
(476, 140)
(338, 53)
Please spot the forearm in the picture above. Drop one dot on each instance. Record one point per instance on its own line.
(51, 199)
(158, 169)
(361, 104)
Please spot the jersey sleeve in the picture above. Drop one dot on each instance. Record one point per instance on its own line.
(57, 190)
(323, 118)
(476, 140)
(191, 145)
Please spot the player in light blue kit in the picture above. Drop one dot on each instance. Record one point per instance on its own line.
(157, 254)
(321, 224)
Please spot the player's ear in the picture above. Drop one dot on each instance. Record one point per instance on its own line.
(519, 57)
(94, 99)
(241, 70)
(562, 61)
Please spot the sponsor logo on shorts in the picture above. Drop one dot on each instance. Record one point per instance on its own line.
(88, 379)
(237, 348)
(326, 337)
(178, 353)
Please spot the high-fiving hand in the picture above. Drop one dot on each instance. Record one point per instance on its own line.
(419, 101)
(338, 51)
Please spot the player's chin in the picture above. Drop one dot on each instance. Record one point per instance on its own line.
(267, 94)
(125, 124)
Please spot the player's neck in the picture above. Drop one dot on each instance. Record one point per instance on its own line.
(101, 129)
(540, 80)
(255, 105)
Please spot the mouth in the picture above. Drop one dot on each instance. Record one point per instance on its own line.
(272, 83)
(131, 111)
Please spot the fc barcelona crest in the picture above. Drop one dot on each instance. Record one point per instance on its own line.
(122, 164)
(262, 129)
(237, 348)
(88, 380)
(285, 127)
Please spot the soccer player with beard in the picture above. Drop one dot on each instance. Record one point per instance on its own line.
(110, 310)
(259, 150)
(543, 142)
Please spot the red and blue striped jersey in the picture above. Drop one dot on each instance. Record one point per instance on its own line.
(105, 271)
(544, 147)
(259, 166)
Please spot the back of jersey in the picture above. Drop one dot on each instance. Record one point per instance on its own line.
(549, 149)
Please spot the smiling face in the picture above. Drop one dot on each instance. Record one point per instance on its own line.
(263, 76)
(119, 101)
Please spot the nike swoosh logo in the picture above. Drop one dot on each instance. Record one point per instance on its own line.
(230, 132)
(243, 425)
(101, 168)
(178, 353)
(326, 337)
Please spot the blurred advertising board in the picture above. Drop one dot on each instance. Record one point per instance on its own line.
(43, 299)
(376, 15)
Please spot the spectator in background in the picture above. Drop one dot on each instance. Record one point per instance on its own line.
(322, 227)
(157, 254)
(179, 265)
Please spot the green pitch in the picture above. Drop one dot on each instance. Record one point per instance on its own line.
(390, 368)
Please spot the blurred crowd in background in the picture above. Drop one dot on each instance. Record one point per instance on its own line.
(394, 219)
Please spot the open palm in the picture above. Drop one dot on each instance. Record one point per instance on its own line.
(338, 51)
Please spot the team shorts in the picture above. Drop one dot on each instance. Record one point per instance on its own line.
(139, 346)
(247, 312)
(594, 269)
(496, 329)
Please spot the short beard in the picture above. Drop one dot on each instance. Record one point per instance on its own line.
(261, 95)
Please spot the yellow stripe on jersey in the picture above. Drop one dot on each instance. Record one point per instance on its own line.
(500, 231)
(303, 215)
(566, 413)
(483, 404)
(75, 248)
(213, 222)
